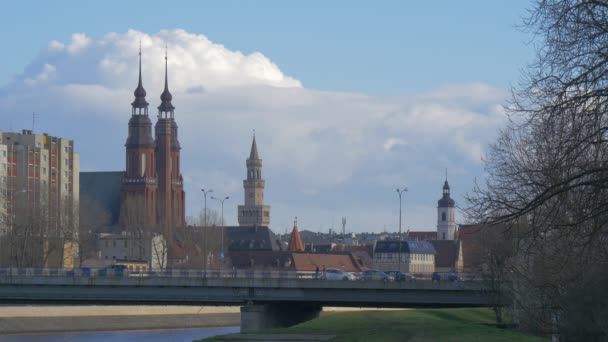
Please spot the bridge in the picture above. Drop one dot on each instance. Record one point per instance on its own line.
(268, 299)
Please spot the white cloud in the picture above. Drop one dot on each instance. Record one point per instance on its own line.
(326, 150)
(79, 42)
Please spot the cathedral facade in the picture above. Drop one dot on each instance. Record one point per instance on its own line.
(152, 185)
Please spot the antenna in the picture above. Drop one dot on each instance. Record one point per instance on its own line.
(33, 121)
(343, 226)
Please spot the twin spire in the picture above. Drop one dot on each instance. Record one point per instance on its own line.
(140, 93)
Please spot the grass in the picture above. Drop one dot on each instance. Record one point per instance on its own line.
(409, 325)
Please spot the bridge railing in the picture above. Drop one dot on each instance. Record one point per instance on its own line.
(189, 273)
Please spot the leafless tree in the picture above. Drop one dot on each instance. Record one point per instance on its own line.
(549, 167)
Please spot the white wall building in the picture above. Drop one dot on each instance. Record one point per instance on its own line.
(446, 215)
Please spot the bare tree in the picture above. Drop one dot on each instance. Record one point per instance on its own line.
(549, 167)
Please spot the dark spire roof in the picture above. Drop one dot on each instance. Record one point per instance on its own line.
(446, 200)
(254, 150)
(166, 96)
(140, 92)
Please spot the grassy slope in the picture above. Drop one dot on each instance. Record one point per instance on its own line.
(409, 325)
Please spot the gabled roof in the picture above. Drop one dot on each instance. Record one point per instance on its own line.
(423, 236)
(251, 238)
(102, 190)
(446, 252)
(409, 246)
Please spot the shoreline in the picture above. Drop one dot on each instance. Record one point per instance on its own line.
(59, 332)
(49, 319)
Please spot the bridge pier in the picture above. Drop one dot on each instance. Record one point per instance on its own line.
(256, 317)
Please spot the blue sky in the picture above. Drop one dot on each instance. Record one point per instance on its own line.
(420, 81)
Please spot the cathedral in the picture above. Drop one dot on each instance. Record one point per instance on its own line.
(152, 185)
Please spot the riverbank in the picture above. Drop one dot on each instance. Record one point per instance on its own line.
(45, 319)
(399, 325)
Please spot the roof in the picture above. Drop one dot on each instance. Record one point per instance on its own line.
(310, 261)
(446, 200)
(250, 238)
(254, 150)
(102, 191)
(407, 246)
(295, 241)
(166, 97)
(424, 236)
(446, 252)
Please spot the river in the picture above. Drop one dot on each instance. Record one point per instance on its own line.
(170, 335)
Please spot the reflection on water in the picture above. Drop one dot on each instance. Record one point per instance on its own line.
(173, 335)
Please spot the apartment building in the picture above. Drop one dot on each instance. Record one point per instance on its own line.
(39, 178)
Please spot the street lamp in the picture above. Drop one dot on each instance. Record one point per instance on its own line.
(205, 227)
(400, 192)
(205, 192)
(222, 239)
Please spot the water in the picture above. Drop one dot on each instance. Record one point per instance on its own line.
(171, 335)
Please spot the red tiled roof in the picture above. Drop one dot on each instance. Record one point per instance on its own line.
(295, 241)
(446, 252)
(422, 236)
(310, 261)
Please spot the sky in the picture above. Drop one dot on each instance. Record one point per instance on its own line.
(349, 99)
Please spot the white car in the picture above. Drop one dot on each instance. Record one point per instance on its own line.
(336, 274)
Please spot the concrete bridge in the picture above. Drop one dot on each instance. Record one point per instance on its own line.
(267, 299)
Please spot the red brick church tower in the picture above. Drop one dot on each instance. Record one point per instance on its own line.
(139, 183)
(152, 188)
(171, 196)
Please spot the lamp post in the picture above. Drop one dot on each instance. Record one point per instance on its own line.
(205, 192)
(222, 239)
(400, 192)
(205, 227)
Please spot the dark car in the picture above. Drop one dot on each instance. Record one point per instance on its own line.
(400, 276)
(454, 277)
(116, 270)
(374, 275)
(436, 277)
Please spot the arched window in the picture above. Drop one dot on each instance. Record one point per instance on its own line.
(143, 164)
(442, 216)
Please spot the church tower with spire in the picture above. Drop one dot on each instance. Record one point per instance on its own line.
(139, 183)
(170, 205)
(254, 212)
(446, 215)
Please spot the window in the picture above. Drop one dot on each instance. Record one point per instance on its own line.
(4, 154)
(66, 162)
(65, 186)
(442, 216)
(44, 170)
(44, 157)
(65, 174)
(65, 149)
(3, 166)
(114, 244)
(125, 246)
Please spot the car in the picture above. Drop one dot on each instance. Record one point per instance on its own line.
(374, 275)
(436, 277)
(336, 274)
(116, 270)
(452, 277)
(400, 276)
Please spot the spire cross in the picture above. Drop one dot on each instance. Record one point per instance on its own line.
(446, 174)
(295, 222)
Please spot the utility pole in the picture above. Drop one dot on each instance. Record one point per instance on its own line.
(205, 227)
(222, 239)
(400, 192)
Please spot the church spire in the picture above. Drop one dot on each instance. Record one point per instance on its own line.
(253, 155)
(166, 97)
(140, 93)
